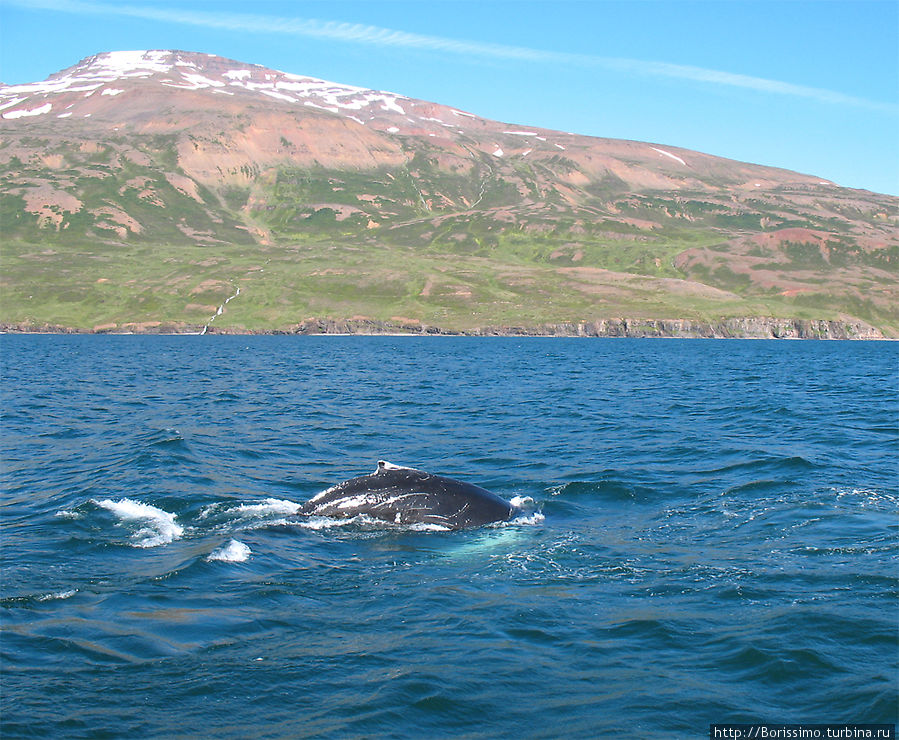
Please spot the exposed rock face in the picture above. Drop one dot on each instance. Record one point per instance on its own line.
(734, 328)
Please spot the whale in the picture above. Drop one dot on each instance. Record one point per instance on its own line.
(401, 495)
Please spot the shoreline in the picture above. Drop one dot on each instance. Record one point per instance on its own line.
(617, 328)
(437, 336)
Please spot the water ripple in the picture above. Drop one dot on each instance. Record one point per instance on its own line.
(712, 536)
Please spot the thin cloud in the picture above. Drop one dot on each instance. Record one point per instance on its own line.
(355, 33)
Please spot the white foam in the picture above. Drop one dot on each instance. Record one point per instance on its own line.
(234, 552)
(269, 507)
(158, 527)
(529, 519)
(264, 513)
(59, 595)
(521, 501)
(869, 496)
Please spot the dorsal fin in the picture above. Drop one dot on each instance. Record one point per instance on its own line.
(384, 465)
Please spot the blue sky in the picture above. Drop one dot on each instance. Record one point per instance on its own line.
(808, 86)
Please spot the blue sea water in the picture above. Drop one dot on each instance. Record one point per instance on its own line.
(711, 535)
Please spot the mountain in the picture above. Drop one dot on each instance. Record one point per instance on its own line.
(167, 190)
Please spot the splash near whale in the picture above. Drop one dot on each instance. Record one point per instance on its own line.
(408, 496)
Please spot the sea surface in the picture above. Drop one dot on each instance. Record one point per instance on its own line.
(711, 535)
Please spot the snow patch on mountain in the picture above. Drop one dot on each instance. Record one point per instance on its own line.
(132, 63)
(12, 103)
(669, 154)
(33, 112)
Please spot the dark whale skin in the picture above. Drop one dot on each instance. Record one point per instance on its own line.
(408, 496)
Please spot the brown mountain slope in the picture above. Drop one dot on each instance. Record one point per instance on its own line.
(197, 159)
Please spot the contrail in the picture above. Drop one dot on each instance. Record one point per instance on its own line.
(355, 33)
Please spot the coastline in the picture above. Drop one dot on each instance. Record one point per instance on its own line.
(733, 328)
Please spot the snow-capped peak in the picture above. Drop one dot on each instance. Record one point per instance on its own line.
(190, 71)
(107, 86)
(128, 63)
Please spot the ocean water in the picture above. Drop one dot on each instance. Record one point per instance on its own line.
(711, 535)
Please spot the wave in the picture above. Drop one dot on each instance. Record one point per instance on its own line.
(58, 595)
(868, 497)
(612, 489)
(794, 463)
(268, 507)
(162, 437)
(757, 487)
(68, 514)
(226, 517)
(234, 552)
(155, 526)
(320, 522)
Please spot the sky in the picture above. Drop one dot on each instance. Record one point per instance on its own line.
(807, 86)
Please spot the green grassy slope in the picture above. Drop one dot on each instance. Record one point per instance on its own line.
(116, 234)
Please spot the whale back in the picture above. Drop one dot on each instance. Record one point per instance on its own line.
(409, 496)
